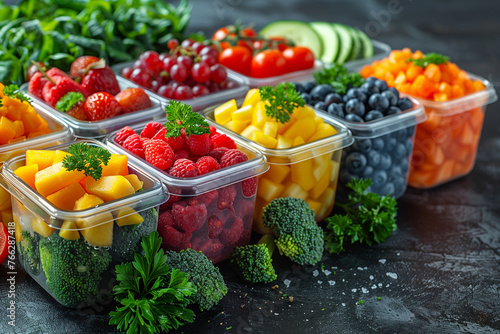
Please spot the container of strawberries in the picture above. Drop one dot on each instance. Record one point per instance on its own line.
(211, 178)
(91, 99)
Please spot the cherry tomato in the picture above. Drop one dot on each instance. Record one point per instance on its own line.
(268, 63)
(238, 58)
(4, 242)
(298, 58)
(224, 31)
(259, 44)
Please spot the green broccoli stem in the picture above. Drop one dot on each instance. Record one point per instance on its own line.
(269, 241)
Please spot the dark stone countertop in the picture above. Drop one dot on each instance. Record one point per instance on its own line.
(438, 273)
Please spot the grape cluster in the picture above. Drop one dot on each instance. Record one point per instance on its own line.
(189, 70)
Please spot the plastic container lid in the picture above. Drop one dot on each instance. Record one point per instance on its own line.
(97, 129)
(255, 165)
(197, 103)
(61, 133)
(154, 192)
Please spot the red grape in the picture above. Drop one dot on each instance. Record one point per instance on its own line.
(168, 62)
(163, 56)
(197, 47)
(217, 73)
(209, 60)
(151, 60)
(167, 91)
(186, 61)
(126, 72)
(200, 90)
(141, 77)
(187, 43)
(178, 72)
(200, 72)
(209, 50)
(183, 92)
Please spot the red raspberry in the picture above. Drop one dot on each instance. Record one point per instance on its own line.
(218, 153)
(134, 145)
(183, 168)
(249, 187)
(123, 134)
(161, 135)
(159, 154)
(226, 198)
(168, 204)
(199, 144)
(212, 248)
(189, 218)
(173, 239)
(232, 157)
(206, 198)
(176, 143)
(213, 130)
(230, 236)
(214, 227)
(181, 154)
(243, 207)
(221, 140)
(151, 129)
(206, 165)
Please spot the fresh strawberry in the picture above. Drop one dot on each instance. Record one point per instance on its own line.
(52, 93)
(72, 105)
(80, 65)
(214, 227)
(230, 236)
(168, 204)
(199, 144)
(151, 129)
(221, 140)
(206, 164)
(100, 80)
(176, 143)
(183, 168)
(206, 198)
(189, 218)
(232, 157)
(133, 99)
(134, 145)
(249, 186)
(181, 154)
(101, 105)
(226, 198)
(218, 153)
(123, 134)
(173, 238)
(159, 154)
(36, 84)
(54, 72)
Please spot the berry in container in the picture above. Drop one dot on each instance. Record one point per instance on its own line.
(70, 233)
(211, 178)
(303, 151)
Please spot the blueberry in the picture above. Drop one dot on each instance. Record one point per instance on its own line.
(405, 103)
(369, 88)
(379, 178)
(345, 176)
(372, 115)
(393, 99)
(395, 91)
(336, 110)
(353, 118)
(385, 161)
(356, 162)
(395, 171)
(321, 91)
(392, 110)
(387, 189)
(405, 165)
(306, 97)
(378, 101)
(371, 80)
(409, 145)
(308, 86)
(355, 106)
(381, 85)
(399, 151)
(362, 145)
(378, 144)
(320, 105)
(399, 186)
(299, 87)
(410, 130)
(345, 98)
(373, 158)
(390, 143)
(356, 93)
(368, 171)
(400, 135)
(333, 98)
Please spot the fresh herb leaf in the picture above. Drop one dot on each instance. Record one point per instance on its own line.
(87, 159)
(282, 100)
(69, 100)
(181, 116)
(14, 92)
(429, 58)
(336, 76)
(360, 302)
(152, 296)
(369, 218)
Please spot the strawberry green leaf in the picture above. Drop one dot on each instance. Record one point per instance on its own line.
(69, 100)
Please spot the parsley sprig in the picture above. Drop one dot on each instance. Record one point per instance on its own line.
(14, 92)
(282, 100)
(152, 296)
(369, 218)
(69, 100)
(337, 76)
(181, 116)
(87, 159)
(429, 58)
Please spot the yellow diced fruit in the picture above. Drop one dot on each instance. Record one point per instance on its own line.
(4, 196)
(223, 112)
(302, 174)
(43, 158)
(327, 198)
(277, 173)
(7, 130)
(335, 170)
(43, 127)
(19, 128)
(54, 178)
(323, 130)
(297, 141)
(321, 159)
(69, 230)
(252, 97)
(117, 165)
(7, 204)
(60, 156)
(293, 190)
(27, 174)
(66, 197)
(320, 186)
(268, 190)
(7, 216)
(30, 120)
(14, 112)
(236, 125)
(243, 114)
(40, 227)
(15, 140)
(318, 120)
(249, 131)
(264, 140)
(109, 187)
(271, 128)
(315, 205)
(128, 216)
(98, 229)
(321, 170)
(34, 134)
(305, 112)
(303, 127)
(283, 142)
(134, 181)
(18, 231)
(259, 115)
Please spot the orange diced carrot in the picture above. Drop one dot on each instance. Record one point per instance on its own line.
(457, 90)
(400, 79)
(440, 97)
(413, 71)
(433, 73)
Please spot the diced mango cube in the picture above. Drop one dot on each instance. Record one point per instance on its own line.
(30, 119)
(128, 216)
(277, 173)
(19, 128)
(60, 156)
(293, 190)
(222, 113)
(40, 227)
(271, 128)
(27, 174)
(252, 97)
(259, 115)
(67, 197)
(313, 204)
(249, 130)
(7, 130)
(302, 174)
(236, 125)
(109, 187)
(69, 230)
(54, 178)
(303, 127)
(98, 229)
(43, 158)
(268, 189)
(328, 199)
(320, 186)
(305, 112)
(283, 142)
(323, 130)
(117, 165)
(134, 181)
(322, 170)
(297, 141)
(243, 114)
(264, 140)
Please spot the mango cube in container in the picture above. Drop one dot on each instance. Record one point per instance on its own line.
(71, 253)
(212, 212)
(446, 143)
(306, 170)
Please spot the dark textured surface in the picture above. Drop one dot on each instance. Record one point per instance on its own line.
(439, 273)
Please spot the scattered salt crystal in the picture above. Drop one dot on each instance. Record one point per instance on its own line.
(374, 286)
(371, 277)
(364, 290)
(359, 268)
(320, 282)
(398, 254)
(380, 285)
(343, 304)
(287, 282)
(365, 268)
(354, 274)
(382, 261)
(334, 268)
(327, 272)
(307, 319)
(354, 290)
(387, 285)
(343, 280)
(276, 314)
(392, 275)
(315, 273)
(332, 283)
(343, 293)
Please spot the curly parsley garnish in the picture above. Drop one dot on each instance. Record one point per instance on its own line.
(283, 99)
(13, 91)
(429, 58)
(181, 116)
(338, 77)
(87, 159)
(69, 100)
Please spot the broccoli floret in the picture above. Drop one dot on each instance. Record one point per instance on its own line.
(202, 272)
(29, 254)
(127, 239)
(73, 269)
(298, 236)
(253, 262)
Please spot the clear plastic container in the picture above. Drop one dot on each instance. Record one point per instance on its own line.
(78, 272)
(380, 50)
(197, 103)
(209, 213)
(99, 129)
(446, 143)
(308, 171)
(381, 151)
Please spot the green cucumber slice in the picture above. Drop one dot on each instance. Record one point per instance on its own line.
(298, 32)
(330, 39)
(346, 43)
(367, 45)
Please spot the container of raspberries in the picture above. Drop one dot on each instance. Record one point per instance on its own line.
(91, 99)
(382, 122)
(212, 180)
(189, 72)
(70, 234)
